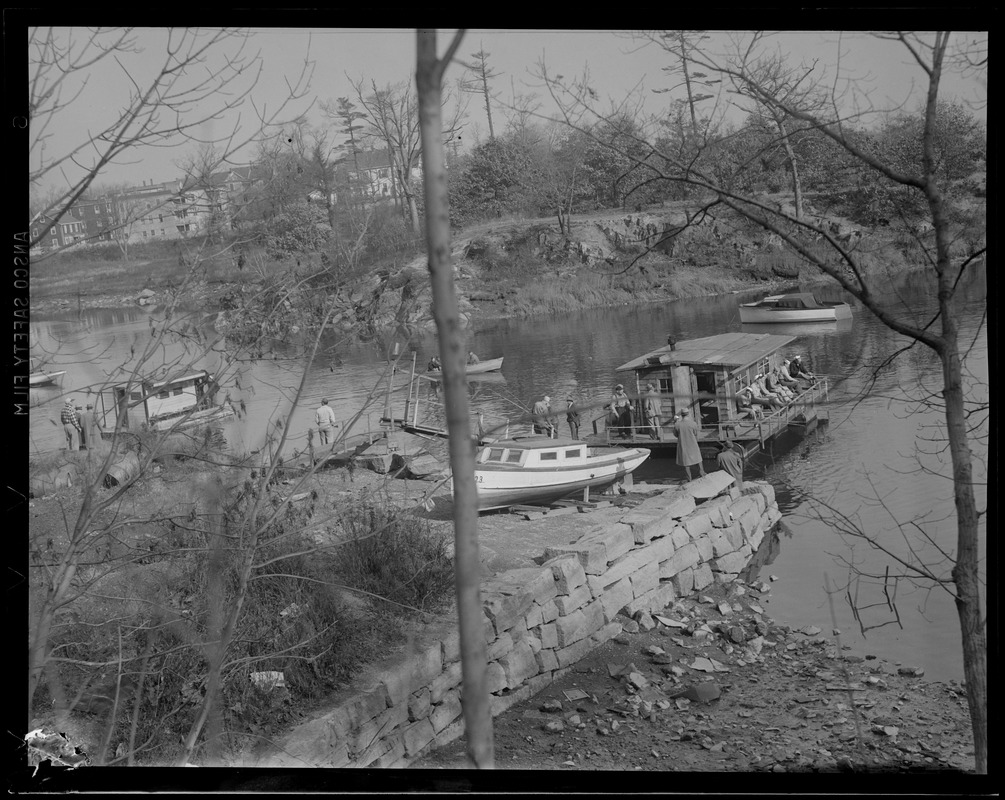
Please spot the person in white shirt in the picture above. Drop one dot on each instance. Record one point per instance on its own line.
(325, 419)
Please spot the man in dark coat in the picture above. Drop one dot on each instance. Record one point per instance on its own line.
(688, 452)
(572, 417)
(730, 461)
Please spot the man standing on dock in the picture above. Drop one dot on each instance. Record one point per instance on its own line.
(653, 410)
(572, 417)
(71, 425)
(688, 452)
(542, 410)
(325, 419)
(730, 461)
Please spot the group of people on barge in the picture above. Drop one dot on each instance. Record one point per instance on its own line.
(775, 389)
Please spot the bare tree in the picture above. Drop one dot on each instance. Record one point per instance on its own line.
(477, 712)
(839, 259)
(479, 83)
(203, 75)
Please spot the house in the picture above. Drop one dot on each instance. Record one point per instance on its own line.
(86, 221)
(375, 175)
(160, 211)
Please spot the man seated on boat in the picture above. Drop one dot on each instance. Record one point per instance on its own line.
(799, 371)
(472, 358)
(760, 395)
(786, 379)
(433, 365)
(745, 404)
(773, 385)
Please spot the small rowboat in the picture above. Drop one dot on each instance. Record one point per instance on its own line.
(489, 365)
(44, 378)
(799, 307)
(537, 469)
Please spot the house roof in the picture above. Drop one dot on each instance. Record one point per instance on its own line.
(734, 350)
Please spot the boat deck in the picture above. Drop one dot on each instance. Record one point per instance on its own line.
(804, 411)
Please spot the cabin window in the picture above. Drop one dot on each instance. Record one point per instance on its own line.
(163, 395)
(513, 456)
(573, 453)
(549, 455)
(177, 391)
(495, 454)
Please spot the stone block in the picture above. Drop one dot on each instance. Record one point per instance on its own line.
(495, 677)
(713, 484)
(567, 572)
(519, 664)
(378, 728)
(416, 736)
(450, 647)
(505, 610)
(446, 680)
(645, 579)
(453, 731)
(674, 503)
(606, 633)
(500, 647)
(718, 510)
(574, 652)
(397, 681)
(652, 601)
(360, 709)
(683, 582)
(704, 545)
(617, 539)
(748, 521)
(547, 661)
(548, 634)
(735, 535)
(447, 711)
(501, 702)
(686, 557)
(744, 504)
(381, 753)
(549, 612)
(757, 536)
(535, 616)
(680, 537)
(592, 556)
(533, 641)
(697, 523)
(595, 619)
(616, 597)
(627, 565)
(419, 704)
(661, 549)
(721, 544)
(773, 516)
(578, 598)
(768, 491)
(702, 576)
(725, 577)
(538, 582)
(648, 525)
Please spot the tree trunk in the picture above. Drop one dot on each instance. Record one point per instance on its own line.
(797, 187)
(475, 697)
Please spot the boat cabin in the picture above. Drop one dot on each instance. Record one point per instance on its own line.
(705, 376)
(153, 402)
(534, 451)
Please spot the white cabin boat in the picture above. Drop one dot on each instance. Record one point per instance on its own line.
(174, 403)
(537, 469)
(797, 307)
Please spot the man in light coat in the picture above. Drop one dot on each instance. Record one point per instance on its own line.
(688, 452)
(324, 417)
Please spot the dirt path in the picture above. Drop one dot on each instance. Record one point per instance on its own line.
(778, 701)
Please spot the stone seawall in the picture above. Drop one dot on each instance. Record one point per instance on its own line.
(541, 620)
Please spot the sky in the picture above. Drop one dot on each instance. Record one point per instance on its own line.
(620, 68)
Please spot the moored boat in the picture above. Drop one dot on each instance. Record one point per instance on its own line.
(44, 378)
(488, 365)
(175, 403)
(538, 469)
(796, 307)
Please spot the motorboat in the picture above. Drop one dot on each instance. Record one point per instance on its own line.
(488, 365)
(539, 469)
(176, 403)
(797, 307)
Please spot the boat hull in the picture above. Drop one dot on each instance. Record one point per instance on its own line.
(751, 313)
(499, 487)
(44, 378)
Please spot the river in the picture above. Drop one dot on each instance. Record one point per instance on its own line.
(875, 467)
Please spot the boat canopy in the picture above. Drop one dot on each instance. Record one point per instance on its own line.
(732, 350)
(800, 300)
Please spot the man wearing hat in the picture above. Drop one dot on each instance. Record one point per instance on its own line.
(71, 425)
(542, 409)
(652, 409)
(798, 371)
(621, 409)
(730, 461)
(572, 417)
(785, 377)
(324, 417)
(688, 452)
